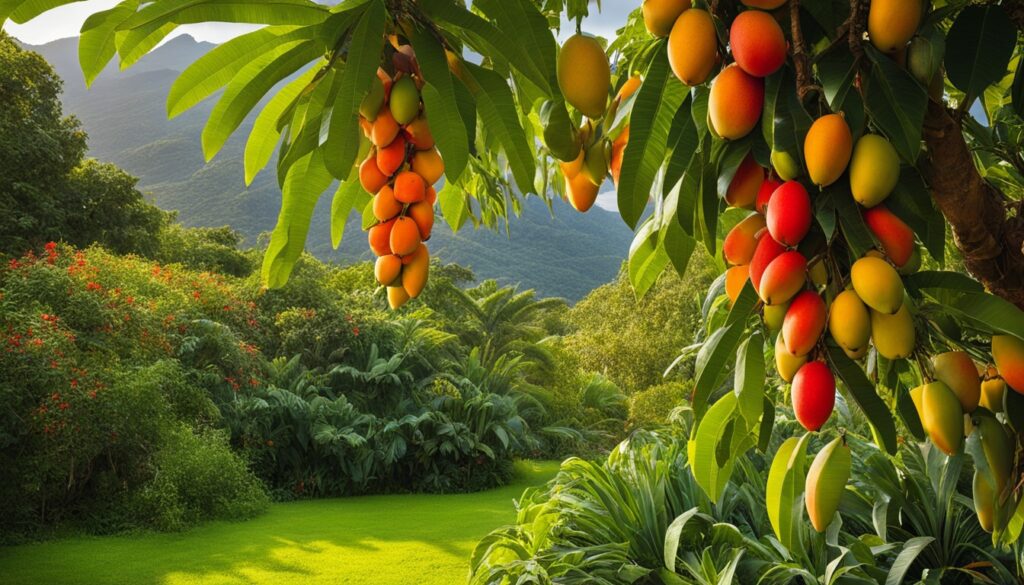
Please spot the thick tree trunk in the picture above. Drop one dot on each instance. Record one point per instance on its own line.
(988, 235)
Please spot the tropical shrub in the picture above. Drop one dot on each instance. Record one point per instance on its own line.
(653, 406)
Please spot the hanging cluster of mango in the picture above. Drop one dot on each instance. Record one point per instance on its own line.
(400, 170)
(828, 304)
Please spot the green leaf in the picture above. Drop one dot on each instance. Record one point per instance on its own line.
(911, 549)
(647, 258)
(672, 536)
(714, 355)
(978, 48)
(248, 88)
(500, 116)
(307, 124)
(342, 143)
(22, 11)
(289, 12)
(265, 134)
(897, 104)
(350, 196)
(786, 478)
(454, 207)
(855, 231)
(678, 246)
(984, 311)
(133, 45)
(863, 393)
(215, 69)
(520, 21)
(441, 105)
(306, 181)
(649, 124)
(912, 202)
(96, 45)
(1017, 89)
(750, 378)
(710, 473)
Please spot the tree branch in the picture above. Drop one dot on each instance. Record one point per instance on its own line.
(989, 237)
(804, 76)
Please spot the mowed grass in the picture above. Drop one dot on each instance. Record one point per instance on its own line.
(379, 540)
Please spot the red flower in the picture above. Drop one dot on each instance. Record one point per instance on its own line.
(93, 286)
(355, 331)
(64, 405)
(50, 246)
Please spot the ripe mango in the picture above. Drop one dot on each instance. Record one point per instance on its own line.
(992, 390)
(745, 184)
(735, 278)
(764, 194)
(804, 322)
(428, 164)
(379, 237)
(385, 129)
(417, 268)
(789, 214)
(785, 165)
(874, 170)
(942, 417)
(827, 149)
(405, 236)
(418, 132)
(584, 75)
(767, 250)
(397, 297)
(387, 269)
(856, 354)
(896, 236)
(998, 446)
(891, 23)
(618, 153)
(370, 176)
(404, 100)
(392, 156)
(893, 335)
(385, 206)
(735, 103)
(826, 481)
(693, 47)
(422, 213)
(849, 322)
(410, 187)
(660, 15)
(373, 100)
(917, 397)
(814, 395)
(877, 284)
(572, 168)
(956, 370)
(984, 501)
(786, 363)
(757, 43)
(595, 162)
(1008, 353)
(741, 241)
(783, 278)
(581, 192)
(774, 315)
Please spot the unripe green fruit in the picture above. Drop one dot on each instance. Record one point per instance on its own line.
(921, 60)
(559, 135)
(984, 501)
(826, 481)
(785, 165)
(405, 101)
(595, 162)
(373, 100)
(998, 446)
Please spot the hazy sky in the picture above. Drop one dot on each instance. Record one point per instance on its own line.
(66, 21)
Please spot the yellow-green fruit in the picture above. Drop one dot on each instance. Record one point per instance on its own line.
(874, 170)
(984, 501)
(786, 363)
(998, 448)
(786, 167)
(992, 391)
(849, 322)
(1008, 353)
(943, 418)
(956, 370)
(877, 284)
(893, 335)
(373, 100)
(584, 75)
(912, 265)
(917, 396)
(404, 101)
(818, 273)
(826, 481)
(693, 47)
(921, 60)
(891, 23)
(774, 315)
(595, 162)
(827, 149)
(660, 15)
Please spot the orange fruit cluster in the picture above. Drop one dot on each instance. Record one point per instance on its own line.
(400, 172)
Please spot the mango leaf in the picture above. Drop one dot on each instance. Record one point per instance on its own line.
(500, 116)
(306, 181)
(674, 532)
(647, 258)
(454, 207)
(293, 12)
(521, 21)
(678, 246)
(342, 144)
(863, 393)
(349, 197)
(750, 378)
(786, 478)
(684, 141)
(22, 11)
(989, 313)
(708, 470)
(650, 122)
(96, 44)
(897, 104)
(440, 104)
(264, 136)
(978, 48)
(912, 202)
(855, 231)
(715, 353)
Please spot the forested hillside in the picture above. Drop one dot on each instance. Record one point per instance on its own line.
(566, 255)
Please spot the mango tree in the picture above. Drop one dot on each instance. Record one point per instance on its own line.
(819, 150)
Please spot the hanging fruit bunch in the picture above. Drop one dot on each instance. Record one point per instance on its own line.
(821, 194)
(400, 170)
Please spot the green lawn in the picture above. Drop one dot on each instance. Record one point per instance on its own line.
(380, 540)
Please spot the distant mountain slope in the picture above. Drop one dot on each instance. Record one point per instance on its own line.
(124, 113)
